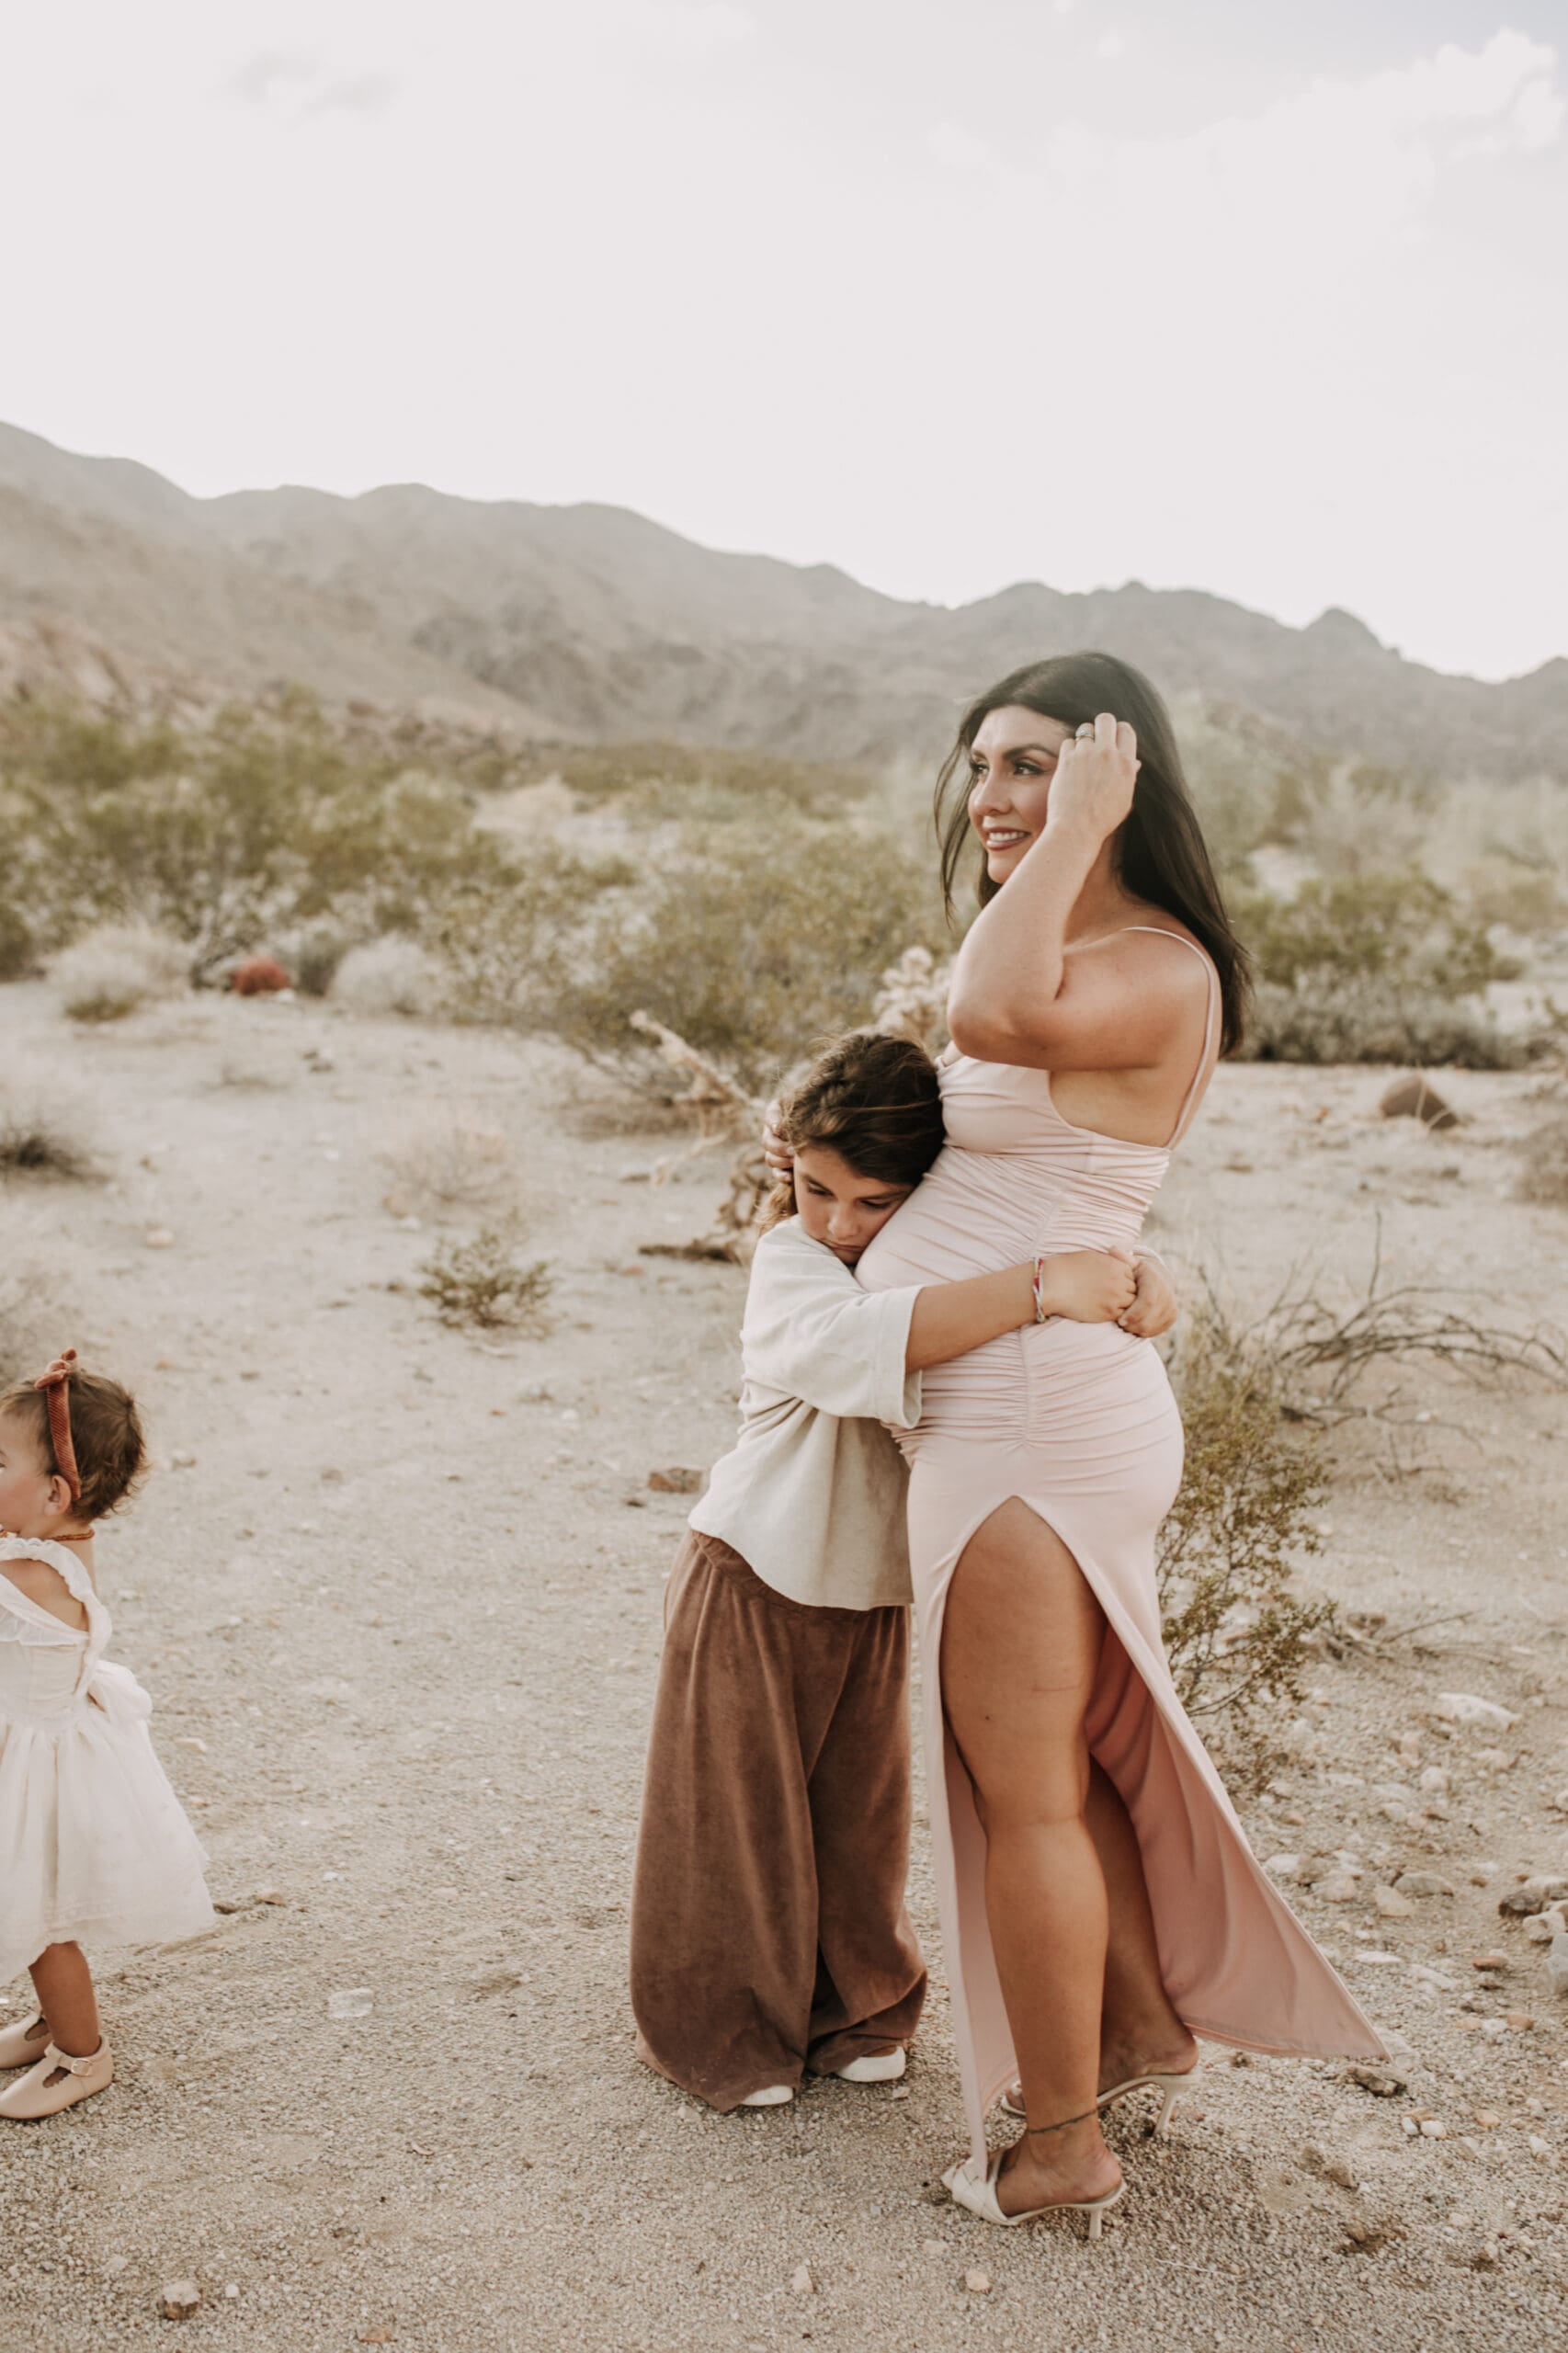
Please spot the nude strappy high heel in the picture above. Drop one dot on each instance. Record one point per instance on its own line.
(981, 2199)
(34, 2095)
(1170, 2088)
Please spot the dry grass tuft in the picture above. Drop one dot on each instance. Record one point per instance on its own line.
(451, 1163)
(118, 967)
(43, 1130)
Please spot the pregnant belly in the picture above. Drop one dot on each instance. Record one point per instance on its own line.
(970, 1216)
(977, 1212)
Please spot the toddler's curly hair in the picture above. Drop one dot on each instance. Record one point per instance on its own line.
(106, 1431)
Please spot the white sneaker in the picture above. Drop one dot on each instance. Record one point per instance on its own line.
(879, 2068)
(770, 2096)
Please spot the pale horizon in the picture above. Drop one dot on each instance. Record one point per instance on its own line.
(836, 286)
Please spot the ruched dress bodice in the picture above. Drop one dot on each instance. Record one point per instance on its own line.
(1015, 1179)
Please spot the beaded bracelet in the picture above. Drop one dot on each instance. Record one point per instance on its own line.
(1041, 1313)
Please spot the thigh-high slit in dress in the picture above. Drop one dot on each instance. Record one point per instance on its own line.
(1078, 1421)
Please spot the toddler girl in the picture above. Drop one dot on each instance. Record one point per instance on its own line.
(93, 1842)
(768, 1929)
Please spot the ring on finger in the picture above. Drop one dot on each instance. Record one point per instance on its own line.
(1086, 728)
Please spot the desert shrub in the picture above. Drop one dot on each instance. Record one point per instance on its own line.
(1526, 898)
(118, 967)
(752, 951)
(655, 783)
(386, 977)
(314, 954)
(450, 1161)
(481, 1283)
(1236, 1633)
(228, 836)
(1358, 819)
(1375, 967)
(504, 939)
(1395, 926)
(1372, 1022)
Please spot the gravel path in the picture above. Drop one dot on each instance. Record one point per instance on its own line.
(396, 1593)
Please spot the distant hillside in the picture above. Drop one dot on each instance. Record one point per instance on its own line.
(591, 622)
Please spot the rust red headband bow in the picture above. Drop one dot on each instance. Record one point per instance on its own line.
(56, 1386)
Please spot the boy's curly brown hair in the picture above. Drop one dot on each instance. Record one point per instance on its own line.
(106, 1431)
(874, 1100)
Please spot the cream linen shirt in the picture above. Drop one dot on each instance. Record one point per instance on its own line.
(812, 1495)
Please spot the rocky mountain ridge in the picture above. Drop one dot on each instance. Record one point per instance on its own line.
(592, 622)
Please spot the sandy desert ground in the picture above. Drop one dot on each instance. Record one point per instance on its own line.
(396, 1592)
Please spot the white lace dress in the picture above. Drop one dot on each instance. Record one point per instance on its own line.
(94, 1847)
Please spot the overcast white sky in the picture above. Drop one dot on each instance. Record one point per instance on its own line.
(1210, 293)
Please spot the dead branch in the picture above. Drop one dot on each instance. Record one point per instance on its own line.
(720, 1107)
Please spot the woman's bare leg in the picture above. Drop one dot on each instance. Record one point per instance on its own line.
(1140, 2030)
(64, 1984)
(1021, 1645)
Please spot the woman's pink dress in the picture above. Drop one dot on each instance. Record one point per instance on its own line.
(1078, 1421)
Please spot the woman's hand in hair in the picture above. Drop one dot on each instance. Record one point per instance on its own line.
(1095, 778)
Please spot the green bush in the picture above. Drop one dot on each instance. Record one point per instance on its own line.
(1399, 927)
(655, 783)
(508, 938)
(1381, 967)
(752, 949)
(227, 835)
(1371, 1022)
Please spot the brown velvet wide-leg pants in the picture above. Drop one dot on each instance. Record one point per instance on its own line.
(769, 1929)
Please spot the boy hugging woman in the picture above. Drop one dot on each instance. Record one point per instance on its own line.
(769, 1934)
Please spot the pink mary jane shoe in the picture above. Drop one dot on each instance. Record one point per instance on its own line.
(21, 2045)
(57, 2081)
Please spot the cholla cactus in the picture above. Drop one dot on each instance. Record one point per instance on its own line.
(913, 1001)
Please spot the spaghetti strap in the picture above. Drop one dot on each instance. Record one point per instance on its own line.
(1189, 1103)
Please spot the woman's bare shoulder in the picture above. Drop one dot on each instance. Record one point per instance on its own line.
(45, 1586)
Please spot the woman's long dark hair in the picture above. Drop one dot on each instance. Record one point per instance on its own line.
(1161, 856)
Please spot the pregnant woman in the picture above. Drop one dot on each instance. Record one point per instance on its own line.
(1099, 1903)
